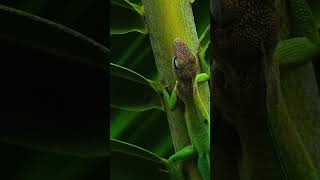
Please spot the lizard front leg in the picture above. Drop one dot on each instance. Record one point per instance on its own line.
(171, 100)
(304, 47)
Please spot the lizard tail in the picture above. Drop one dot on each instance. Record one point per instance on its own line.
(204, 166)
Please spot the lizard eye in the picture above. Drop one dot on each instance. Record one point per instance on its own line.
(175, 62)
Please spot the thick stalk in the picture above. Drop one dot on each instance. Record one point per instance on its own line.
(292, 153)
(261, 161)
(166, 20)
(299, 85)
(300, 91)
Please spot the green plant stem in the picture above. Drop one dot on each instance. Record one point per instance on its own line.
(300, 90)
(299, 85)
(292, 153)
(167, 20)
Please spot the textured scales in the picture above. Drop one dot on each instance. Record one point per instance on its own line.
(296, 52)
(242, 42)
(302, 21)
(243, 26)
(242, 45)
(303, 47)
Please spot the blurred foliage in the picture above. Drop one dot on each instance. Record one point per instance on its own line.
(53, 101)
(315, 7)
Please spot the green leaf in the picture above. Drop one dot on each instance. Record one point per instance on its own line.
(130, 149)
(164, 148)
(132, 91)
(146, 129)
(204, 48)
(128, 4)
(66, 146)
(201, 14)
(49, 37)
(202, 21)
(121, 11)
(133, 50)
(48, 93)
(29, 165)
(136, 162)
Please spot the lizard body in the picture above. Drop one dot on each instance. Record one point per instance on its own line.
(197, 118)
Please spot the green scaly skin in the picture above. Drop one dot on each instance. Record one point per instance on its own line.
(304, 46)
(296, 51)
(251, 41)
(299, 50)
(197, 118)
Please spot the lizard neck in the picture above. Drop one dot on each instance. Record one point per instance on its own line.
(186, 89)
(198, 122)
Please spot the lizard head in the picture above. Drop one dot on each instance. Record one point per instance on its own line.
(185, 68)
(184, 62)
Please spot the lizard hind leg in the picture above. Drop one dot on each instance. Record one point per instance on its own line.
(184, 154)
(176, 160)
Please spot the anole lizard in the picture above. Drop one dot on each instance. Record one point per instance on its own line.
(196, 116)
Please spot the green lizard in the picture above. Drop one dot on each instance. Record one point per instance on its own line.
(197, 117)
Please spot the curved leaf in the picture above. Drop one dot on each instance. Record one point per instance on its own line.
(204, 49)
(119, 12)
(131, 91)
(36, 32)
(133, 50)
(202, 21)
(130, 5)
(201, 14)
(29, 164)
(51, 103)
(82, 149)
(136, 162)
(130, 149)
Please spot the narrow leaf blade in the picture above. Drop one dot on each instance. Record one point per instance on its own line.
(131, 91)
(36, 32)
(135, 21)
(137, 162)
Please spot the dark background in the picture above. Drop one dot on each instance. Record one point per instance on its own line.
(53, 99)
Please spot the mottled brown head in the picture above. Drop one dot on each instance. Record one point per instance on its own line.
(184, 62)
(185, 68)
